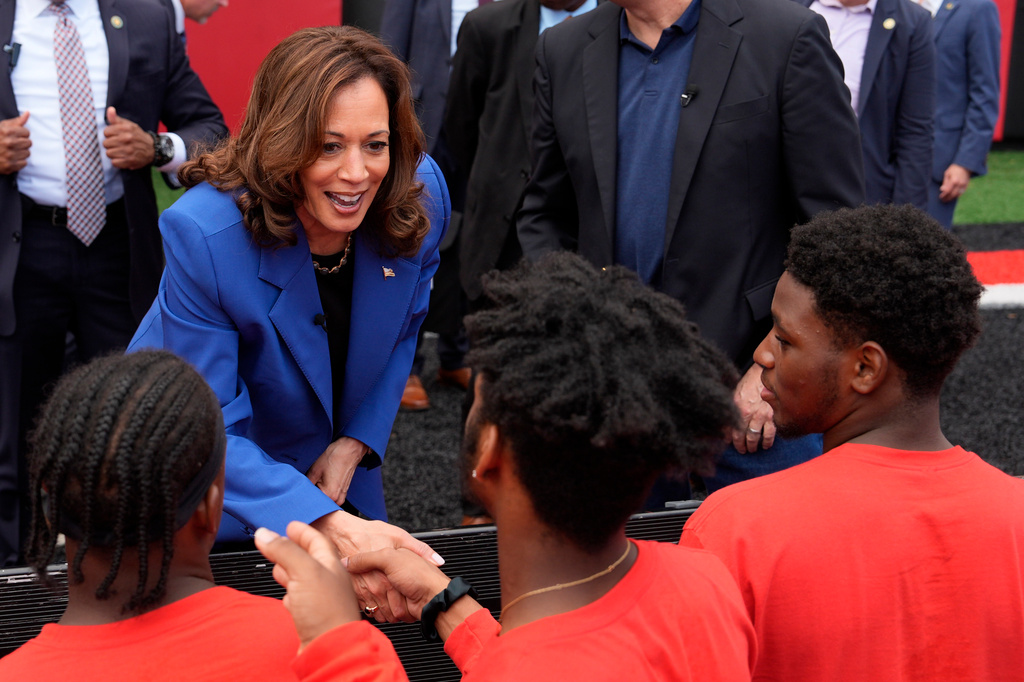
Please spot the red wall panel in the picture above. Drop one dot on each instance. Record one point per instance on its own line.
(1007, 15)
(227, 50)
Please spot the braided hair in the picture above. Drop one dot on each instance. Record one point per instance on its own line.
(599, 384)
(123, 451)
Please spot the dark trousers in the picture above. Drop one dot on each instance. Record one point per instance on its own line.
(61, 287)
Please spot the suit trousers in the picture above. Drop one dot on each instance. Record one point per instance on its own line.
(62, 289)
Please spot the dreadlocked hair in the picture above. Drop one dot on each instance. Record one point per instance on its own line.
(115, 445)
(599, 385)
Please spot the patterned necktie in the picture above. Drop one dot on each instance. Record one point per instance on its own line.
(87, 211)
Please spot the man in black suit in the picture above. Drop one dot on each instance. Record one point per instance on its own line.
(487, 124)
(51, 280)
(684, 138)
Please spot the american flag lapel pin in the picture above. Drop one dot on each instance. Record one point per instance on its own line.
(388, 272)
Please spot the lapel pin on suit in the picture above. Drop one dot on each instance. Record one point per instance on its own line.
(388, 272)
(949, 5)
(889, 24)
(116, 21)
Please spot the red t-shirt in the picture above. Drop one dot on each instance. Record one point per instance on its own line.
(676, 615)
(355, 652)
(869, 563)
(216, 634)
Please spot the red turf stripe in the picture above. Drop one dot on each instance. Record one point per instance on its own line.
(998, 267)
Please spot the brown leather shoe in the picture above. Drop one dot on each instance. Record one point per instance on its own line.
(414, 397)
(455, 377)
(477, 520)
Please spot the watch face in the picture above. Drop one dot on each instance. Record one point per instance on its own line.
(164, 150)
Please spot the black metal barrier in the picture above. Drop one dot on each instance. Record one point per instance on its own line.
(471, 552)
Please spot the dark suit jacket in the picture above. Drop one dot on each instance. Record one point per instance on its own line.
(150, 81)
(419, 32)
(897, 103)
(768, 141)
(487, 125)
(243, 316)
(967, 35)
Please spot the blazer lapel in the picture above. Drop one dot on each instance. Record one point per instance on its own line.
(8, 105)
(291, 270)
(600, 92)
(878, 40)
(526, 61)
(714, 51)
(117, 47)
(382, 294)
(946, 10)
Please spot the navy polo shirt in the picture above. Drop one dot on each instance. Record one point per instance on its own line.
(651, 83)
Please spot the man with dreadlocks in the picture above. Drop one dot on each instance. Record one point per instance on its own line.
(589, 386)
(127, 460)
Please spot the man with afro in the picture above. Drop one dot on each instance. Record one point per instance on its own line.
(895, 555)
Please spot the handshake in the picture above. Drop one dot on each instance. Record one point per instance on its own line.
(322, 588)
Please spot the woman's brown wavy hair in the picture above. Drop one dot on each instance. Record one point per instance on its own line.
(283, 134)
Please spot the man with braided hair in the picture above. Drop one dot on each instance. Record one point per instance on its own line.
(895, 555)
(589, 385)
(127, 461)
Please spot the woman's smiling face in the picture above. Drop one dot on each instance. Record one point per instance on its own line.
(342, 183)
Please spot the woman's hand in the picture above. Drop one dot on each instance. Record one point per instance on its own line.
(352, 535)
(415, 578)
(756, 425)
(332, 471)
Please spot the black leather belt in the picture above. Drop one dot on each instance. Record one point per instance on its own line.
(57, 215)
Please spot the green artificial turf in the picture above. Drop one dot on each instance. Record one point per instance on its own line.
(997, 197)
(165, 196)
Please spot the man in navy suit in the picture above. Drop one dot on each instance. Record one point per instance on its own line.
(52, 281)
(889, 63)
(967, 35)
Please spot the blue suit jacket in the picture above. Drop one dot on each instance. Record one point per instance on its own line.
(243, 315)
(897, 103)
(419, 32)
(967, 36)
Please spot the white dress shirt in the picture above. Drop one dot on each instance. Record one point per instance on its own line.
(34, 79)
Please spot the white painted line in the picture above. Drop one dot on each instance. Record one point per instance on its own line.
(1003, 296)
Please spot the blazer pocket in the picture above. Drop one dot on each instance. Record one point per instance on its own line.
(741, 110)
(760, 299)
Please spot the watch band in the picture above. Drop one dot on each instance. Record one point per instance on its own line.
(442, 601)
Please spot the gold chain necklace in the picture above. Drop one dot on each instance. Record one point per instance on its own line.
(562, 586)
(344, 259)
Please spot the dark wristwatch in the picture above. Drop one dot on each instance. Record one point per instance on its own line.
(163, 149)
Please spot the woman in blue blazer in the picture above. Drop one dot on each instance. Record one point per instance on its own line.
(298, 273)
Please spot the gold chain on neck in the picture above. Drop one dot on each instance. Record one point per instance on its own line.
(562, 586)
